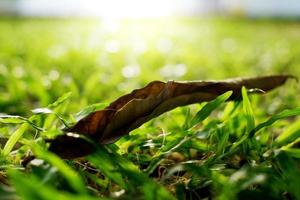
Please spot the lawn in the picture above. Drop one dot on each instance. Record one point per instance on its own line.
(76, 66)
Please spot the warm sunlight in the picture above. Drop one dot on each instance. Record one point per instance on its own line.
(149, 99)
(137, 8)
(105, 8)
(129, 9)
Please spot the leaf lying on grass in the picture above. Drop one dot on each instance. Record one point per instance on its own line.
(141, 105)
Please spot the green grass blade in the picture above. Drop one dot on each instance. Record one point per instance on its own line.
(284, 114)
(248, 113)
(53, 108)
(108, 166)
(12, 119)
(289, 172)
(15, 119)
(89, 109)
(209, 107)
(60, 100)
(13, 139)
(68, 173)
(293, 152)
(119, 169)
(29, 187)
(150, 188)
(289, 135)
(247, 109)
(230, 109)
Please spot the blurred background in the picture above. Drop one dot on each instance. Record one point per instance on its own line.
(100, 49)
(147, 8)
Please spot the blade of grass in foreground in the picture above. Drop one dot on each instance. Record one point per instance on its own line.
(248, 113)
(89, 109)
(209, 107)
(293, 152)
(108, 166)
(201, 115)
(12, 119)
(15, 119)
(17, 135)
(26, 124)
(60, 100)
(289, 171)
(119, 169)
(28, 187)
(291, 149)
(13, 139)
(290, 134)
(68, 173)
(247, 109)
(284, 114)
(58, 104)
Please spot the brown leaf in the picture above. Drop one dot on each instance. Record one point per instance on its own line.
(141, 105)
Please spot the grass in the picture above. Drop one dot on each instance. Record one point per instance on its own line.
(54, 71)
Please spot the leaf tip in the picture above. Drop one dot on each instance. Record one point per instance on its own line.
(70, 146)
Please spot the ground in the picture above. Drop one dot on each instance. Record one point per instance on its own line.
(82, 65)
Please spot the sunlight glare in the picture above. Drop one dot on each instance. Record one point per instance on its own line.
(116, 9)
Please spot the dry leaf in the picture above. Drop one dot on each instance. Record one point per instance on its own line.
(141, 105)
